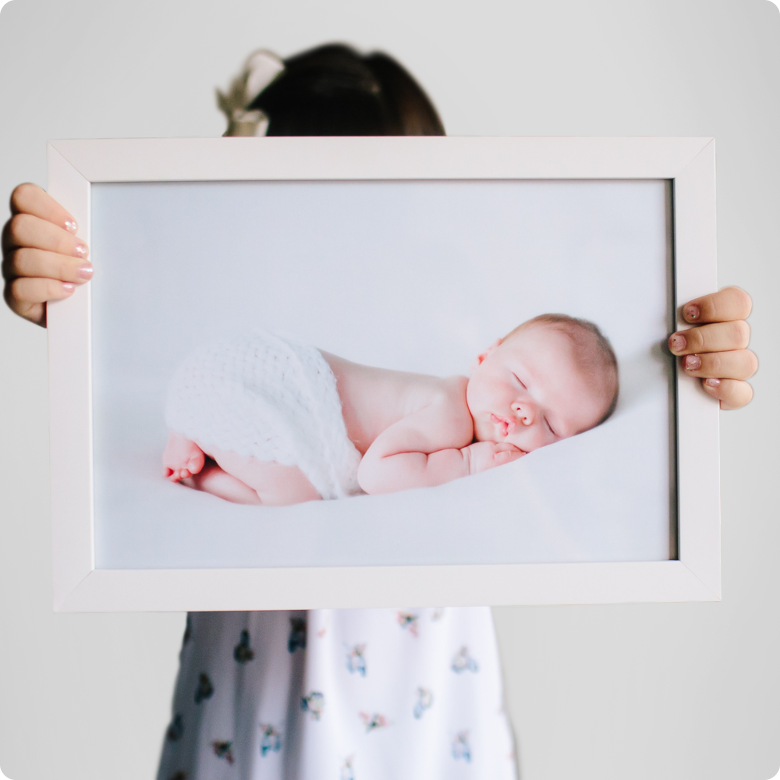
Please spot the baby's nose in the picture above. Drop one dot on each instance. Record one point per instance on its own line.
(524, 412)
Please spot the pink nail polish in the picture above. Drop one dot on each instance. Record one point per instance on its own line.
(677, 342)
(711, 382)
(86, 271)
(70, 224)
(68, 287)
(692, 312)
(692, 362)
(80, 250)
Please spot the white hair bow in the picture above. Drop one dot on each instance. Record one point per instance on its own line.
(260, 70)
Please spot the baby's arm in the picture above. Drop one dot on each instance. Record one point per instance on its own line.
(427, 448)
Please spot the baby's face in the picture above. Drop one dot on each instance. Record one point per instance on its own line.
(528, 391)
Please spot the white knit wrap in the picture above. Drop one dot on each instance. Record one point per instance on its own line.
(271, 397)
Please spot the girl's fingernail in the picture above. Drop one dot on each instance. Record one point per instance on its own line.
(70, 224)
(86, 271)
(712, 382)
(69, 287)
(80, 250)
(692, 362)
(692, 312)
(677, 342)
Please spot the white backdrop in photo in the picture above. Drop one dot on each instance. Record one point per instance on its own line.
(415, 276)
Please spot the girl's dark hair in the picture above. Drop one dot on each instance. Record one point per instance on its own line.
(334, 90)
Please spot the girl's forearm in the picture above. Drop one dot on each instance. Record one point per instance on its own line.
(405, 470)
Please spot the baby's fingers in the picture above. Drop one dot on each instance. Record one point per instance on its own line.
(507, 456)
(732, 393)
(31, 199)
(736, 364)
(730, 303)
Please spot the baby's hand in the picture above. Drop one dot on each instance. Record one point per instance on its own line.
(42, 258)
(484, 455)
(717, 352)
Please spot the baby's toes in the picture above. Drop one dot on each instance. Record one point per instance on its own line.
(196, 462)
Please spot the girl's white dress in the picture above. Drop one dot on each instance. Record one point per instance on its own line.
(377, 694)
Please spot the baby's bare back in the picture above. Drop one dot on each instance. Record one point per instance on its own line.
(412, 430)
(374, 399)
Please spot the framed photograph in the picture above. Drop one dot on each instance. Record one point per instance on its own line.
(367, 372)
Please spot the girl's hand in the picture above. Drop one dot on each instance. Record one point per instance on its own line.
(717, 352)
(42, 258)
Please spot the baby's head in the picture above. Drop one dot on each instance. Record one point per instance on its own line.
(550, 378)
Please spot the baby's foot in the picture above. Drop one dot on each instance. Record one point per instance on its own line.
(182, 458)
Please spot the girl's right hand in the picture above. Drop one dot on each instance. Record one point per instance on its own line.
(42, 258)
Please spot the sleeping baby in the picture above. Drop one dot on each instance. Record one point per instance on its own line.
(262, 419)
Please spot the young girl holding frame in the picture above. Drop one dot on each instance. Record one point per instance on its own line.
(338, 693)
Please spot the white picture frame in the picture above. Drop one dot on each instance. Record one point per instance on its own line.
(74, 166)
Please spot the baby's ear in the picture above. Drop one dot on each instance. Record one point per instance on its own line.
(492, 348)
(482, 355)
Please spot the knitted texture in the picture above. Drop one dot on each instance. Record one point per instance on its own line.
(270, 397)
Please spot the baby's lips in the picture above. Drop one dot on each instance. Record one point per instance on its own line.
(508, 425)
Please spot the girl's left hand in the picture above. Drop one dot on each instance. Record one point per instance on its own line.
(715, 349)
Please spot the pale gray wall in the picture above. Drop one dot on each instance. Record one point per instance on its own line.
(677, 691)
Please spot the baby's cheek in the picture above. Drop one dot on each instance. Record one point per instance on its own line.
(534, 441)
